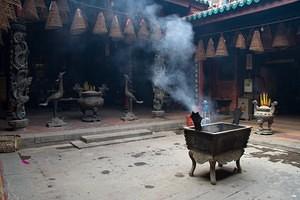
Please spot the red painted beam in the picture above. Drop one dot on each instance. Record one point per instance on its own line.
(250, 10)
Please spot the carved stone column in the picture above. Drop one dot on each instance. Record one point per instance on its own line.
(19, 81)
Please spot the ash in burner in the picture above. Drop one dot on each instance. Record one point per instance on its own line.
(196, 120)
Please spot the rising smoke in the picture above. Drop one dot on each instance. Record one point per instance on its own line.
(177, 47)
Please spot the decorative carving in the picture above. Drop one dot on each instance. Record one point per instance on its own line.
(19, 80)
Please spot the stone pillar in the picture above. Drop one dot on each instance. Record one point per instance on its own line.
(19, 81)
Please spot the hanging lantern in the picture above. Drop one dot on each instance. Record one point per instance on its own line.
(100, 25)
(115, 31)
(156, 33)
(200, 52)
(240, 42)
(129, 32)
(210, 51)
(79, 24)
(221, 48)
(256, 43)
(143, 33)
(280, 38)
(266, 36)
(64, 10)
(53, 20)
(29, 9)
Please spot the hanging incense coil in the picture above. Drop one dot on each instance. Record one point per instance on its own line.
(115, 31)
(256, 44)
(143, 33)
(40, 4)
(64, 10)
(267, 37)
(221, 48)
(53, 20)
(200, 52)
(129, 32)
(79, 24)
(29, 9)
(240, 41)
(156, 33)
(41, 9)
(280, 37)
(63, 5)
(100, 27)
(210, 51)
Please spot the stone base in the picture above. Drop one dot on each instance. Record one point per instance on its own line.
(158, 113)
(129, 116)
(90, 118)
(18, 124)
(264, 132)
(56, 122)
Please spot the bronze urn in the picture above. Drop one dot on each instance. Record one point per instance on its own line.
(90, 101)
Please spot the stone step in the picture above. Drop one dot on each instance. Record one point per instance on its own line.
(115, 135)
(82, 145)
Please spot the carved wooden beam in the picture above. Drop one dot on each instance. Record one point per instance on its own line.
(251, 10)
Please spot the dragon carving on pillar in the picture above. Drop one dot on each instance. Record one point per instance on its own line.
(19, 81)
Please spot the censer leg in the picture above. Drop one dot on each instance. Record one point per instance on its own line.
(193, 163)
(212, 172)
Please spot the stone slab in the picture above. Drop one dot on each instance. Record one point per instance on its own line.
(116, 135)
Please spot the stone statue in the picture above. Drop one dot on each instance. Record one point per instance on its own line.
(19, 80)
(130, 98)
(264, 113)
(57, 94)
(55, 97)
(158, 93)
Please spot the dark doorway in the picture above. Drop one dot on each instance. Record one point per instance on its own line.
(284, 86)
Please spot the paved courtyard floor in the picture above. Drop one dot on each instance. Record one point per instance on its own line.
(150, 169)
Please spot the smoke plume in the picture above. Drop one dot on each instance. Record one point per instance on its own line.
(176, 46)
